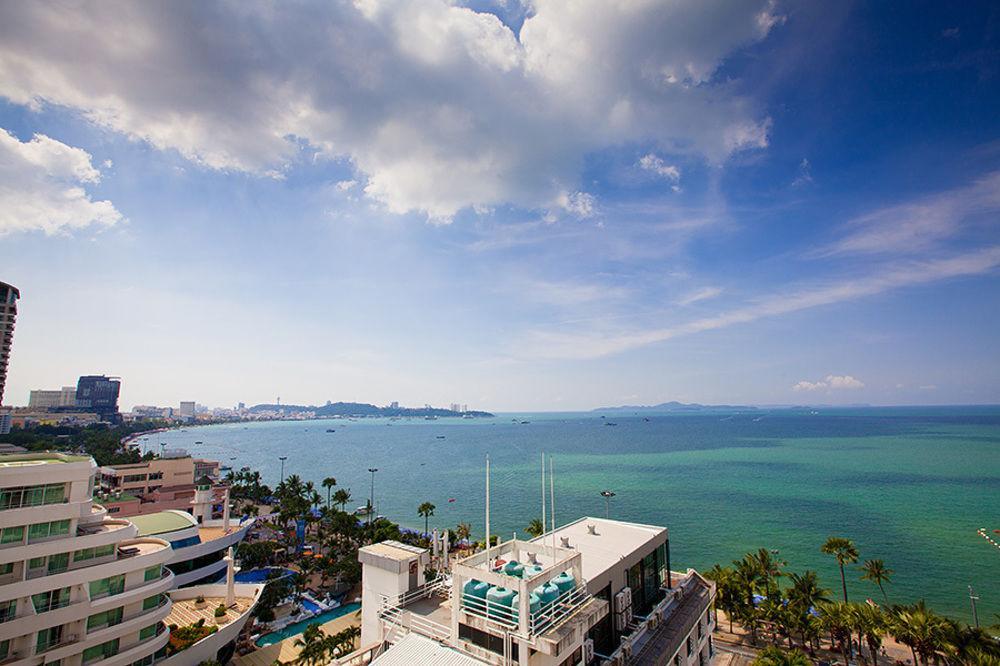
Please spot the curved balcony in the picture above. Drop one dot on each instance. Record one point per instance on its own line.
(109, 531)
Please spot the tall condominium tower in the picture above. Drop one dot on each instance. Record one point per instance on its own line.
(8, 312)
(99, 394)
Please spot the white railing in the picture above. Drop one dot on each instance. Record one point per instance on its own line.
(421, 592)
(547, 617)
(409, 621)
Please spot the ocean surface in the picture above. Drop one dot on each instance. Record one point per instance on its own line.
(909, 485)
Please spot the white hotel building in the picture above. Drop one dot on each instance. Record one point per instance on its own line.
(594, 591)
(77, 587)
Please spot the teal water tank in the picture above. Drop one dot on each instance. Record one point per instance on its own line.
(513, 568)
(534, 604)
(547, 594)
(565, 582)
(473, 590)
(532, 570)
(498, 601)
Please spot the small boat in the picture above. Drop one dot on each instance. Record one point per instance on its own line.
(609, 423)
(525, 422)
(646, 419)
(430, 418)
(199, 442)
(331, 430)
(440, 436)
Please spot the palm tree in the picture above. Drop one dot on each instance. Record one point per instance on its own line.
(426, 510)
(970, 645)
(328, 483)
(775, 656)
(535, 528)
(804, 597)
(462, 531)
(845, 552)
(342, 497)
(878, 573)
(746, 576)
(314, 646)
(769, 568)
(836, 618)
(921, 629)
(871, 624)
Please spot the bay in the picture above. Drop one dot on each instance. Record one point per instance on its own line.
(909, 485)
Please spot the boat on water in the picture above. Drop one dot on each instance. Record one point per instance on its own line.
(199, 442)
(440, 436)
(525, 422)
(430, 417)
(609, 423)
(331, 430)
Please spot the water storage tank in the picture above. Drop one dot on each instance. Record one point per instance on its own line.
(547, 594)
(498, 601)
(534, 604)
(473, 590)
(513, 568)
(533, 570)
(565, 582)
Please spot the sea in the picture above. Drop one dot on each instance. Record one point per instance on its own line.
(909, 485)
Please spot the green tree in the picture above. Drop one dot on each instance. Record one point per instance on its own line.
(775, 656)
(426, 510)
(919, 628)
(342, 497)
(845, 552)
(328, 483)
(535, 528)
(876, 572)
(463, 531)
(837, 619)
(314, 644)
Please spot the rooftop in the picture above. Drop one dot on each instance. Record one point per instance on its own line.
(184, 612)
(612, 541)
(41, 458)
(415, 649)
(395, 550)
(162, 522)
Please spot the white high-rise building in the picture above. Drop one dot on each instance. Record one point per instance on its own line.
(75, 586)
(43, 399)
(187, 410)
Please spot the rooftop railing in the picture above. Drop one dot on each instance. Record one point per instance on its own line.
(544, 619)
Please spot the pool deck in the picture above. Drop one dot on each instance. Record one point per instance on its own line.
(286, 651)
(186, 612)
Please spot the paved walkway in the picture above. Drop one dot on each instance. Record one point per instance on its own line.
(286, 651)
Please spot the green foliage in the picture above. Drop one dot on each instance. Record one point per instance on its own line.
(773, 656)
(101, 441)
(220, 610)
(535, 528)
(256, 554)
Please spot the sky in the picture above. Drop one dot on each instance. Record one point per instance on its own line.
(546, 205)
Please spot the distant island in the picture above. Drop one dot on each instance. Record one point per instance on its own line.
(361, 409)
(674, 406)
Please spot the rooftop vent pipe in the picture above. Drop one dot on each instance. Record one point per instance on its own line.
(591, 529)
(565, 541)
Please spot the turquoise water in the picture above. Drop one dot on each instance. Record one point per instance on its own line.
(298, 627)
(908, 485)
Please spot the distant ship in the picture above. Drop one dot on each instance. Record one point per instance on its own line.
(430, 418)
(330, 430)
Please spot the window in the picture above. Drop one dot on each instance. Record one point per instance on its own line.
(58, 563)
(153, 573)
(21, 496)
(48, 638)
(12, 535)
(6, 569)
(36, 563)
(45, 530)
(134, 478)
(102, 651)
(152, 602)
(148, 632)
(4, 649)
(108, 618)
(107, 587)
(8, 610)
(104, 551)
(51, 600)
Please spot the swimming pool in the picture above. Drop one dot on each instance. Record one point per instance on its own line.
(311, 606)
(259, 575)
(298, 627)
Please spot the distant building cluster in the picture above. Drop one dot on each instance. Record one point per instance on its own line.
(94, 399)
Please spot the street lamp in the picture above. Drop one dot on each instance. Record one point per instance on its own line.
(607, 495)
(371, 501)
(975, 614)
(282, 459)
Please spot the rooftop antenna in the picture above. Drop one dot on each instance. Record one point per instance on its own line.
(543, 501)
(489, 564)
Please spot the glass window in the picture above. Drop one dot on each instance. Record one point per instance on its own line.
(150, 603)
(59, 528)
(6, 568)
(107, 586)
(147, 632)
(48, 638)
(108, 618)
(153, 573)
(8, 610)
(85, 554)
(38, 531)
(12, 534)
(58, 563)
(104, 551)
(51, 600)
(102, 651)
(54, 494)
(36, 563)
(4, 649)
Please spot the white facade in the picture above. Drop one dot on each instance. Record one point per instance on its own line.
(42, 398)
(76, 587)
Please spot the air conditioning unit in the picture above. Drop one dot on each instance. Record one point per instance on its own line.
(620, 602)
(654, 619)
(588, 650)
(628, 597)
(620, 622)
(627, 651)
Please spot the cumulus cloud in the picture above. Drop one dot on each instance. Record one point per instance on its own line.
(438, 106)
(42, 187)
(656, 164)
(832, 382)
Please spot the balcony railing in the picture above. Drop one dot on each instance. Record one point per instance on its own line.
(542, 620)
(55, 642)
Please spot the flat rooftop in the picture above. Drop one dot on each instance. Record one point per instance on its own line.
(415, 649)
(613, 541)
(394, 550)
(185, 611)
(43, 458)
(163, 522)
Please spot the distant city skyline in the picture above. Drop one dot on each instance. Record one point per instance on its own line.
(556, 205)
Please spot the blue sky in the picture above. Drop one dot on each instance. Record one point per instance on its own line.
(550, 206)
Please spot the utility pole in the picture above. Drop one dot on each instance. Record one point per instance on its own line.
(607, 495)
(973, 599)
(371, 501)
(282, 459)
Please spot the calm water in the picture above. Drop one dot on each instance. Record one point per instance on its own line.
(909, 485)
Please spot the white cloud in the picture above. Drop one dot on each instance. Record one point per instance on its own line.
(580, 204)
(809, 386)
(42, 187)
(832, 382)
(604, 342)
(345, 185)
(805, 174)
(700, 295)
(922, 224)
(654, 163)
(438, 106)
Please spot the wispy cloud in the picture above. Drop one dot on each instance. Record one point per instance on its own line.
(699, 295)
(919, 225)
(577, 345)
